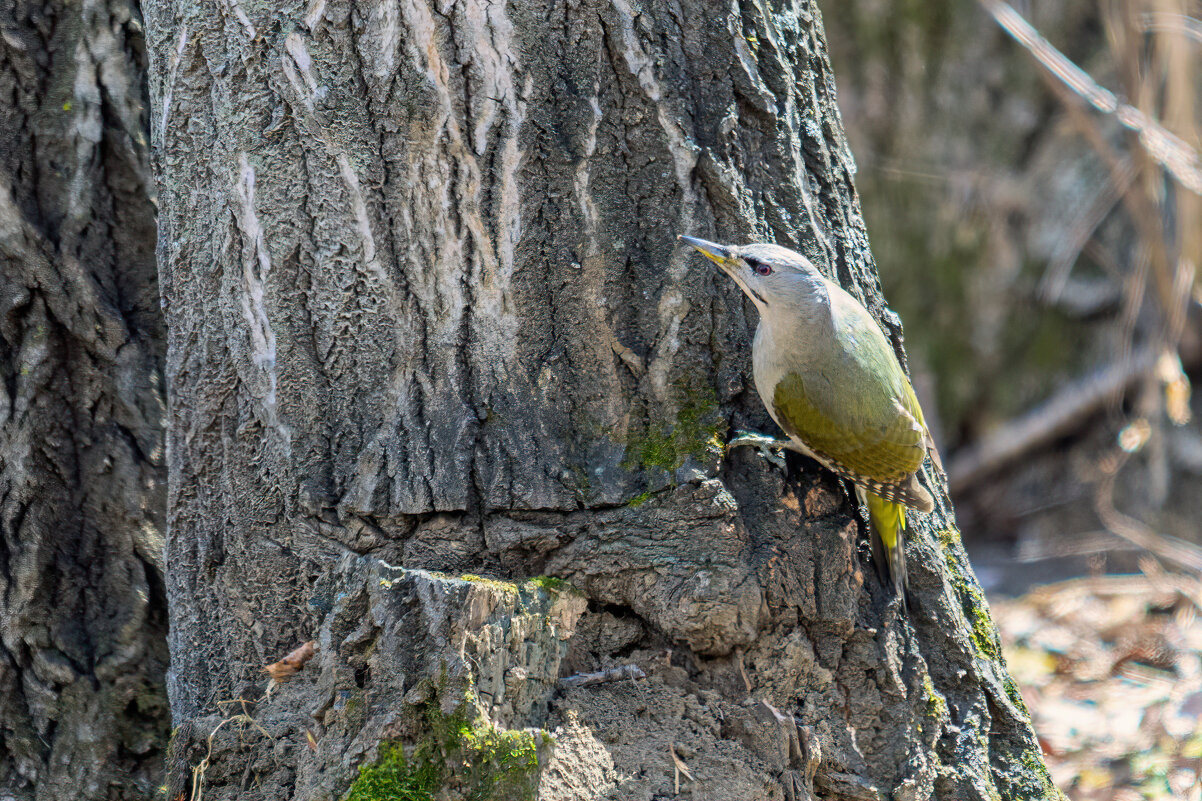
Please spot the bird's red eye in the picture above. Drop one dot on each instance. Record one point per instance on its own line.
(761, 268)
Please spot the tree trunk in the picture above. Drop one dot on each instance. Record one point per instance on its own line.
(83, 617)
(425, 309)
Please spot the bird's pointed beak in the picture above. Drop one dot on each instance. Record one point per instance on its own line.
(718, 254)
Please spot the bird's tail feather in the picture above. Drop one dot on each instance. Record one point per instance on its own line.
(888, 521)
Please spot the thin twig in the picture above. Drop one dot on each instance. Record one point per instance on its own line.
(631, 671)
(1167, 547)
(1082, 230)
(1164, 22)
(198, 772)
(1085, 543)
(1146, 215)
(681, 767)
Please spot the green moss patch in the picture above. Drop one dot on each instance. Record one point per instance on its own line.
(1034, 767)
(696, 431)
(550, 584)
(640, 499)
(395, 777)
(1015, 696)
(948, 537)
(523, 587)
(496, 584)
(984, 635)
(462, 751)
(976, 609)
(936, 704)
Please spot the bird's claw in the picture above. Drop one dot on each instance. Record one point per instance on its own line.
(764, 444)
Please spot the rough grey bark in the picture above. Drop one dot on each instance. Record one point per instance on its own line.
(425, 306)
(83, 657)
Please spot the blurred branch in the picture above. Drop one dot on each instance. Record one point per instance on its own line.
(1166, 547)
(1073, 589)
(1083, 228)
(1061, 415)
(1035, 549)
(1164, 22)
(1145, 214)
(1181, 160)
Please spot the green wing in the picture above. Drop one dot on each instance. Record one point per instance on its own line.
(885, 448)
(856, 409)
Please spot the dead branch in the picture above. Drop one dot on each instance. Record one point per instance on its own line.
(1170, 548)
(291, 664)
(604, 676)
(1066, 411)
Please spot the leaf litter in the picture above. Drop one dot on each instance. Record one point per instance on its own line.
(1111, 669)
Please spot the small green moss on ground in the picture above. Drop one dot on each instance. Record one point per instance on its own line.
(462, 750)
(396, 777)
(503, 763)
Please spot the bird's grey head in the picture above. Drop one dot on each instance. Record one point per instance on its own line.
(775, 278)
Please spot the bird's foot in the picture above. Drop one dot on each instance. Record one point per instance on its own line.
(764, 444)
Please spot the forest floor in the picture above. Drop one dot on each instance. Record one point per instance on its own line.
(1111, 668)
